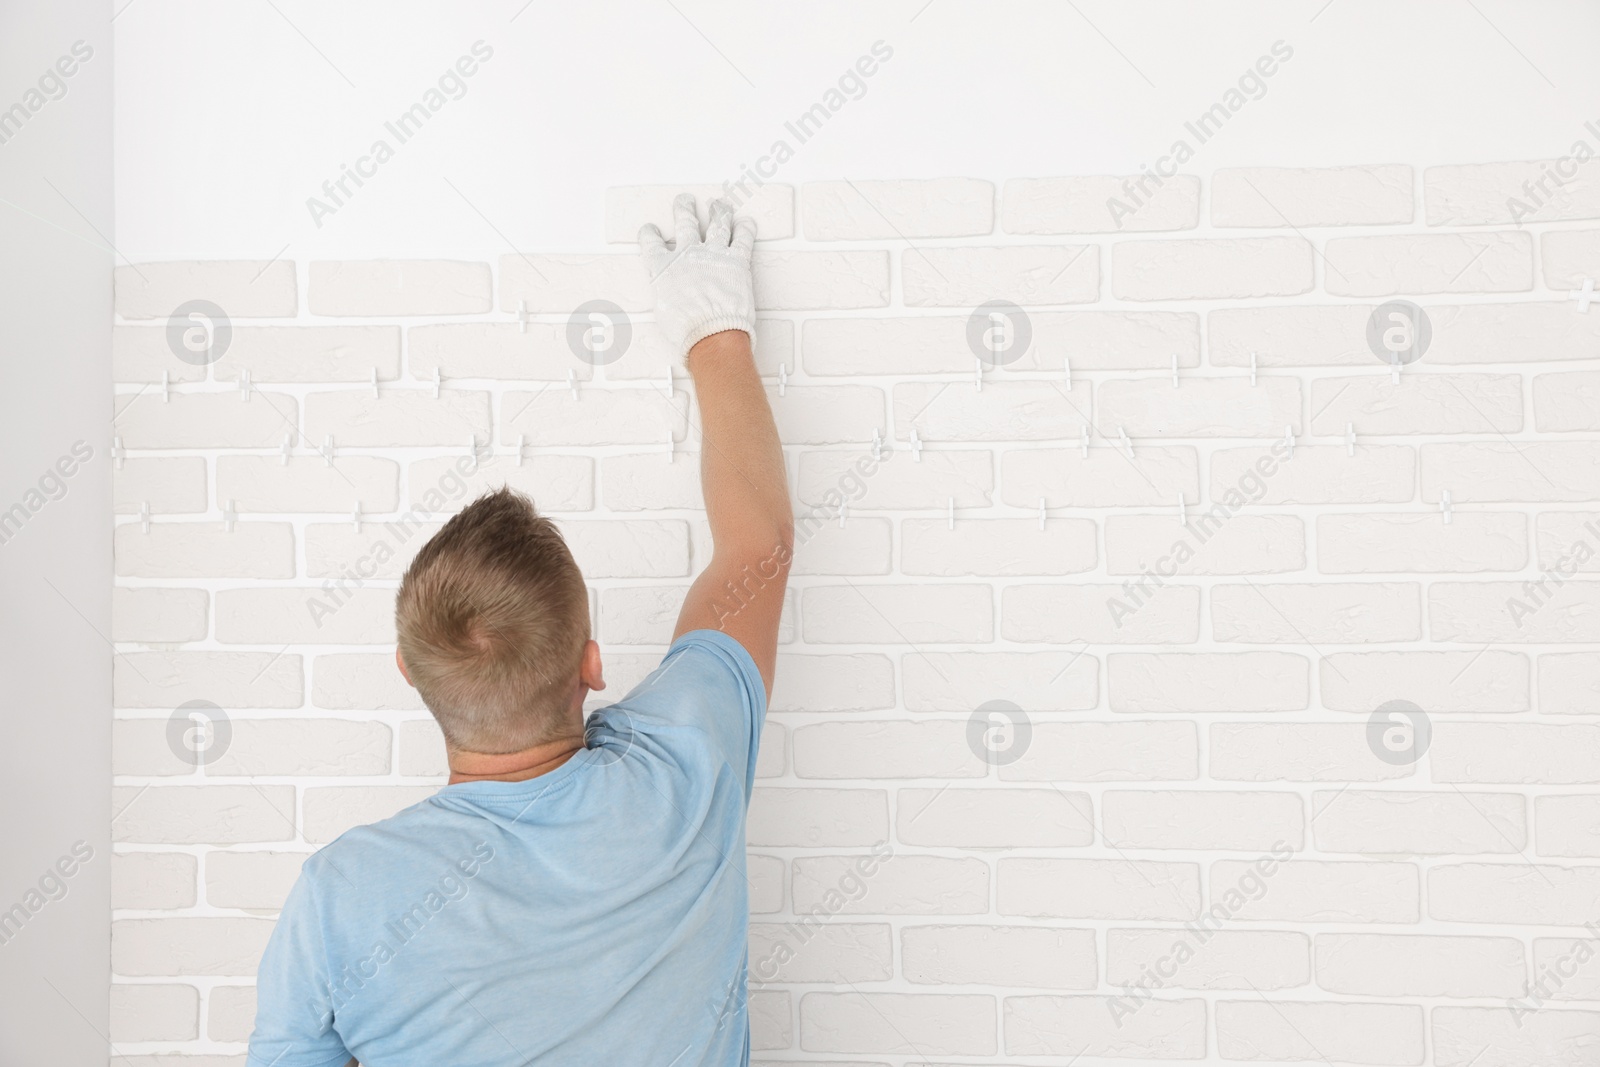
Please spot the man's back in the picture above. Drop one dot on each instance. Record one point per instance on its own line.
(592, 915)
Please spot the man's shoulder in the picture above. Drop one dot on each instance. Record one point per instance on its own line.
(394, 840)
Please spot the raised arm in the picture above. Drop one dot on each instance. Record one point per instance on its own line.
(706, 305)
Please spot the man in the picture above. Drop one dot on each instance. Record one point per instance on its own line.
(572, 896)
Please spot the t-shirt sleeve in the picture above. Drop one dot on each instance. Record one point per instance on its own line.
(708, 682)
(294, 1005)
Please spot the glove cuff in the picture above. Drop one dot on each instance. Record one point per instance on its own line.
(717, 324)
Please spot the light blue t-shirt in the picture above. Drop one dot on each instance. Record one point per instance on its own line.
(596, 915)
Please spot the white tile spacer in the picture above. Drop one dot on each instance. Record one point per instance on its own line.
(438, 382)
(844, 509)
(144, 515)
(244, 385)
(117, 451)
(1041, 513)
(1584, 296)
(374, 382)
(977, 373)
(522, 316)
(472, 450)
(671, 444)
(783, 379)
(166, 387)
(1444, 505)
(327, 451)
(1085, 445)
(572, 381)
(916, 446)
(1066, 372)
(230, 515)
(1394, 371)
(355, 516)
(1288, 439)
(1127, 445)
(877, 444)
(1349, 438)
(283, 450)
(1252, 370)
(521, 438)
(950, 514)
(1183, 513)
(1174, 370)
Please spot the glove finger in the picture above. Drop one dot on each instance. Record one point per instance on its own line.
(721, 225)
(653, 248)
(744, 237)
(686, 226)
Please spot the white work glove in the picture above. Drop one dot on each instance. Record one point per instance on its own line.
(701, 287)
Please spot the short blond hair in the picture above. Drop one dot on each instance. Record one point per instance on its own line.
(492, 618)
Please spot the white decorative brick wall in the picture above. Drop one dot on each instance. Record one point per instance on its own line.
(1191, 848)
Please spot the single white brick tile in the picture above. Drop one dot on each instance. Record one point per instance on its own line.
(140, 747)
(187, 946)
(1515, 612)
(1495, 472)
(1214, 959)
(365, 681)
(1314, 474)
(533, 351)
(798, 281)
(228, 679)
(1571, 257)
(1334, 613)
(898, 614)
(1317, 891)
(251, 880)
(1066, 680)
(148, 1012)
(1568, 540)
(645, 482)
(639, 615)
(1100, 614)
(596, 417)
(1208, 681)
(378, 551)
(895, 482)
(1413, 264)
(1294, 197)
(886, 210)
(287, 615)
(329, 811)
(834, 952)
(1549, 1038)
(1400, 965)
(205, 550)
(1098, 889)
(1106, 478)
(1096, 1026)
(153, 880)
(896, 885)
(1027, 956)
(1211, 269)
(1569, 683)
(1521, 332)
(422, 751)
(244, 289)
(1107, 752)
(628, 207)
(1479, 194)
(310, 354)
(231, 1012)
(945, 1024)
(158, 616)
(203, 420)
(1514, 893)
(1016, 547)
(1421, 543)
(1022, 274)
(1244, 544)
(1322, 335)
(1256, 821)
(1562, 971)
(771, 1019)
(766, 883)
(939, 344)
(1567, 402)
(1000, 411)
(398, 287)
(828, 683)
(354, 417)
(308, 483)
(813, 817)
(1419, 823)
(304, 748)
(828, 414)
(1328, 1032)
(563, 283)
(629, 548)
(202, 814)
(994, 818)
(1200, 407)
(139, 354)
(1525, 753)
(170, 485)
(1483, 680)
(862, 546)
(1101, 204)
(1419, 403)
(1296, 752)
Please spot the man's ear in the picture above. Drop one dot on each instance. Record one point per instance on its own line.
(398, 662)
(590, 672)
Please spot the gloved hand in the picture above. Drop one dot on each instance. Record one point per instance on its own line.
(701, 287)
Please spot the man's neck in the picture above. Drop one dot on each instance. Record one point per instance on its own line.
(512, 766)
